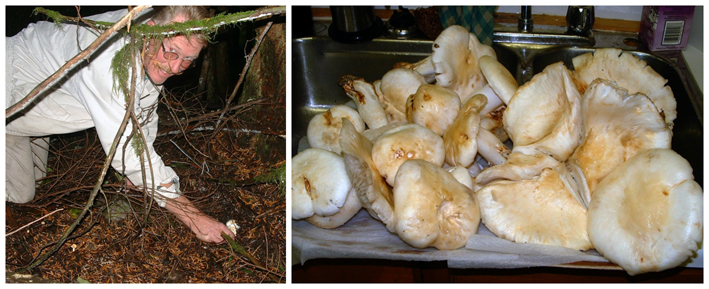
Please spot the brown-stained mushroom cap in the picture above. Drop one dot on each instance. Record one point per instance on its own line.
(647, 214)
(433, 208)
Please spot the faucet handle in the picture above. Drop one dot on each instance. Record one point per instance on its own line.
(579, 19)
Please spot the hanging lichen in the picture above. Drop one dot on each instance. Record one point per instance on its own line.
(138, 34)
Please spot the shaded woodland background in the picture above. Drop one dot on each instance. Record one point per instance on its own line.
(231, 173)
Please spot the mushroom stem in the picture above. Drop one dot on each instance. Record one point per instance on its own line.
(491, 148)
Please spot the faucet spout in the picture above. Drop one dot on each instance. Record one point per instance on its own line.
(526, 22)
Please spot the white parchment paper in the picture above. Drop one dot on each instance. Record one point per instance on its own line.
(365, 237)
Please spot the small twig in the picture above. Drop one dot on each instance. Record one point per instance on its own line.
(35, 221)
(191, 159)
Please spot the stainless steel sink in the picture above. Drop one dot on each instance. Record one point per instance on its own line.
(318, 62)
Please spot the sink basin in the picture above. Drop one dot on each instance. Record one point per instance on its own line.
(318, 62)
(687, 139)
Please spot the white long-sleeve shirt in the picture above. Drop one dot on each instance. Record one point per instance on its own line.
(85, 97)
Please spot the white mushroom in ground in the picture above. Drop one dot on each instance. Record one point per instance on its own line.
(349, 209)
(541, 210)
(432, 207)
(628, 72)
(455, 61)
(372, 190)
(324, 128)
(396, 85)
(320, 183)
(546, 113)
(433, 106)
(409, 141)
(365, 97)
(460, 140)
(647, 214)
(498, 78)
(616, 127)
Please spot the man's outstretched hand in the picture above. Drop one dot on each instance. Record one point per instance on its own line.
(204, 227)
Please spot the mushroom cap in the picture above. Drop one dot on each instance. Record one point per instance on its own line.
(409, 141)
(396, 86)
(523, 163)
(629, 72)
(646, 215)
(366, 99)
(432, 207)
(616, 127)
(546, 113)
(373, 134)
(541, 210)
(324, 128)
(433, 106)
(455, 61)
(460, 140)
(320, 183)
(498, 77)
(371, 188)
(349, 209)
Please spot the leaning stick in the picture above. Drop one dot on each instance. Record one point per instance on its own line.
(30, 223)
(109, 155)
(74, 61)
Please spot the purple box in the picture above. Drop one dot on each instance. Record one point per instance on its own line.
(666, 27)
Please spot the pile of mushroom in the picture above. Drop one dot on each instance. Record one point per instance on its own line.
(574, 158)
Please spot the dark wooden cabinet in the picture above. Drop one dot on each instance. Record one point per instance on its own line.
(388, 271)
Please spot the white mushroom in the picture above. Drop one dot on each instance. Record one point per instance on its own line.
(324, 128)
(541, 210)
(396, 86)
(410, 141)
(371, 188)
(433, 106)
(628, 72)
(365, 97)
(373, 134)
(523, 163)
(460, 140)
(546, 113)
(617, 126)
(463, 176)
(491, 148)
(498, 77)
(647, 214)
(455, 61)
(320, 183)
(393, 114)
(432, 207)
(349, 209)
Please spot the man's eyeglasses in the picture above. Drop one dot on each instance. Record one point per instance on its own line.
(172, 55)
